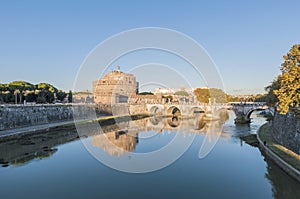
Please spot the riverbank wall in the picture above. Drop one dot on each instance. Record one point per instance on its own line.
(286, 131)
(17, 116)
(279, 161)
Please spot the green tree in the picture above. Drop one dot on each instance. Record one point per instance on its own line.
(231, 98)
(18, 88)
(289, 90)
(46, 92)
(146, 93)
(46, 87)
(3, 88)
(8, 97)
(40, 100)
(217, 95)
(70, 97)
(17, 91)
(204, 95)
(270, 98)
(60, 95)
(181, 93)
(30, 97)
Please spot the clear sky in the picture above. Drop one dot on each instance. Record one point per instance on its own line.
(47, 41)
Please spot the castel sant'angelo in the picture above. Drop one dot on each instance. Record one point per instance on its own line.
(115, 87)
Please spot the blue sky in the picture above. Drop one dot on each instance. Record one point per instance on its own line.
(47, 41)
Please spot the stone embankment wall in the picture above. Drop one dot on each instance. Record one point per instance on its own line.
(121, 109)
(14, 116)
(286, 131)
(138, 109)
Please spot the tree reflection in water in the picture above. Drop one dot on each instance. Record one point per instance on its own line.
(116, 139)
(128, 139)
(122, 138)
(283, 186)
(25, 148)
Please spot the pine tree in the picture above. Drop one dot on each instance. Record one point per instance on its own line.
(70, 97)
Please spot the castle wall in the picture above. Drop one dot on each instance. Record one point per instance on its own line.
(115, 87)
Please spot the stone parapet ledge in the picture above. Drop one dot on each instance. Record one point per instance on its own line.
(278, 160)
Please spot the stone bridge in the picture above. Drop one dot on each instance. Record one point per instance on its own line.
(243, 111)
(172, 109)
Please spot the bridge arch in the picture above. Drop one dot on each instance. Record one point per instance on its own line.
(173, 111)
(196, 111)
(248, 114)
(155, 121)
(174, 122)
(156, 110)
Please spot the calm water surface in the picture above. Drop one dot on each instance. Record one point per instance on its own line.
(57, 165)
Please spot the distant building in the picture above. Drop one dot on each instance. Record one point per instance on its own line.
(163, 91)
(145, 99)
(84, 96)
(175, 95)
(115, 87)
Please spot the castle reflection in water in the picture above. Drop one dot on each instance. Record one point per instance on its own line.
(121, 138)
(116, 139)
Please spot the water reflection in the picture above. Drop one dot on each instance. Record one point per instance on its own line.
(116, 139)
(24, 149)
(123, 137)
(116, 143)
(283, 186)
(126, 137)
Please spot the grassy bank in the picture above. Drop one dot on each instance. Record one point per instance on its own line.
(287, 155)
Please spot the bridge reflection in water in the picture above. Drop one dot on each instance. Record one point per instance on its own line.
(123, 137)
(116, 139)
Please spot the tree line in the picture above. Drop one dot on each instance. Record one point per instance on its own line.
(284, 91)
(19, 91)
(204, 95)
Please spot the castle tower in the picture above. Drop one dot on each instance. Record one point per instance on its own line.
(115, 87)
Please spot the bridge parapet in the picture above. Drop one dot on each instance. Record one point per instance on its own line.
(243, 111)
(186, 109)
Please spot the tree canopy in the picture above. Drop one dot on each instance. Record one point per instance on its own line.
(288, 91)
(146, 93)
(270, 98)
(204, 94)
(3, 87)
(46, 87)
(20, 85)
(181, 93)
(13, 92)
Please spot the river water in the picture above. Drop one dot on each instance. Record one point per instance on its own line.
(58, 164)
